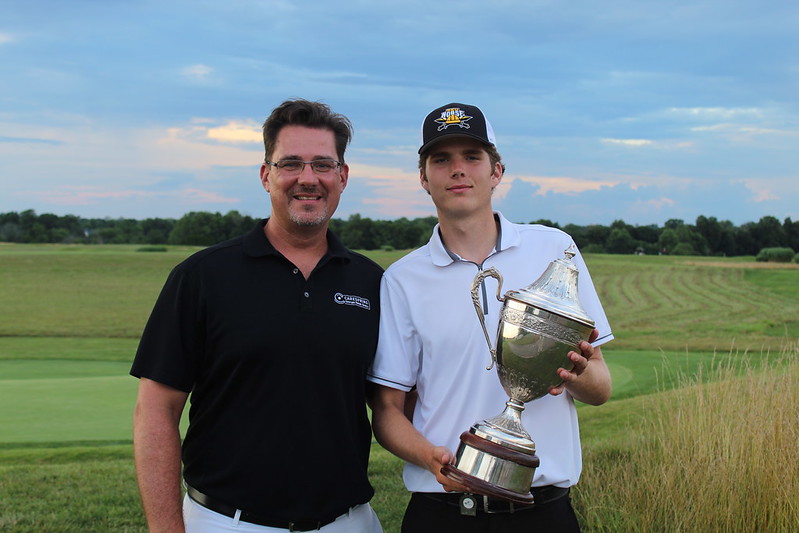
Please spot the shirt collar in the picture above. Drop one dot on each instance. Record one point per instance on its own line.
(507, 237)
(257, 245)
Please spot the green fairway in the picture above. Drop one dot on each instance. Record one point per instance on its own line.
(45, 401)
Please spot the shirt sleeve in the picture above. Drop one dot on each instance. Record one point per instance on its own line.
(396, 361)
(172, 342)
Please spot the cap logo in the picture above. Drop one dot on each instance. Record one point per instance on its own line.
(453, 116)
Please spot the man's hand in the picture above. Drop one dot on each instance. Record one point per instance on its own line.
(439, 457)
(589, 380)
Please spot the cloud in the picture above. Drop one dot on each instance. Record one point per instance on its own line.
(6, 38)
(387, 192)
(766, 190)
(658, 204)
(628, 142)
(198, 146)
(737, 128)
(237, 132)
(716, 113)
(557, 184)
(197, 73)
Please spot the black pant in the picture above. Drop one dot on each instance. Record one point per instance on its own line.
(426, 515)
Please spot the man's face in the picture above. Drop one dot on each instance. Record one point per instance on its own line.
(459, 176)
(307, 198)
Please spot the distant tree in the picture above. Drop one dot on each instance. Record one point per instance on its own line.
(358, 233)
(424, 229)
(707, 236)
(791, 230)
(596, 234)
(400, 234)
(198, 229)
(745, 241)
(234, 224)
(620, 224)
(620, 242)
(546, 222)
(128, 230)
(683, 248)
(156, 230)
(594, 249)
(727, 245)
(577, 234)
(645, 234)
(36, 232)
(688, 235)
(769, 233)
(711, 230)
(673, 223)
(10, 232)
(668, 240)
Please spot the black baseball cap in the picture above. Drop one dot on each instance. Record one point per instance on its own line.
(463, 120)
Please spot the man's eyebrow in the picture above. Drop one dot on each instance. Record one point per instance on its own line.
(293, 157)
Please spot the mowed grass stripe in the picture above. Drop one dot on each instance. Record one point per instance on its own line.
(30, 369)
(68, 348)
(688, 303)
(80, 293)
(67, 409)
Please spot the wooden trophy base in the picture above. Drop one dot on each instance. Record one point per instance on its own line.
(484, 488)
(475, 452)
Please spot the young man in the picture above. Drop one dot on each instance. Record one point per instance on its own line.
(431, 343)
(272, 334)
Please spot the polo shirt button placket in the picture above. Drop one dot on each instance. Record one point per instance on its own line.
(306, 302)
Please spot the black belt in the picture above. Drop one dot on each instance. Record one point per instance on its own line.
(230, 511)
(542, 495)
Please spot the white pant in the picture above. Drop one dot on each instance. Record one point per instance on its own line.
(198, 519)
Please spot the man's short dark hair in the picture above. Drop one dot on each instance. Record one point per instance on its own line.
(299, 112)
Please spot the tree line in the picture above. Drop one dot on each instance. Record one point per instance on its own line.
(706, 236)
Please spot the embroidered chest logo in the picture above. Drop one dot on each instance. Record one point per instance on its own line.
(453, 116)
(351, 299)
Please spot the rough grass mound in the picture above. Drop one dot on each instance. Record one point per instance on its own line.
(778, 255)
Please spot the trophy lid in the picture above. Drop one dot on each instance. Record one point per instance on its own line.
(555, 290)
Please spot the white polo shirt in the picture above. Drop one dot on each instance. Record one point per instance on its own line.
(431, 338)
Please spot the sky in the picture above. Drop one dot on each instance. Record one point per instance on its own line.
(634, 110)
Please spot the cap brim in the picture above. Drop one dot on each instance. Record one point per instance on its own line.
(429, 144)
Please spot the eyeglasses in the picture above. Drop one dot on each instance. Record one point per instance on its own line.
(295, 166)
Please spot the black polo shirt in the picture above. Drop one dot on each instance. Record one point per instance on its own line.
(276, 366)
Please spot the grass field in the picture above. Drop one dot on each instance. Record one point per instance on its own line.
(70, 317)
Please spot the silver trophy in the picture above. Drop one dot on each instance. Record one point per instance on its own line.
(539, 325)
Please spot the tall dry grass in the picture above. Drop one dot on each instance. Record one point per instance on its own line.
(718, 456)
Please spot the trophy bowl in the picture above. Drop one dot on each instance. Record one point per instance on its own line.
(539, 325)
(532, 344)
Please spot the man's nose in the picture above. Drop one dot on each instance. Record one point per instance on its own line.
(307, 175)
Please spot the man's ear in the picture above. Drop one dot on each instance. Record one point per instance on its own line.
(496, 177)
(265, 176)
(344, 176)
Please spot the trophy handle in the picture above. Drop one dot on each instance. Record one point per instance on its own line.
(478, 279)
